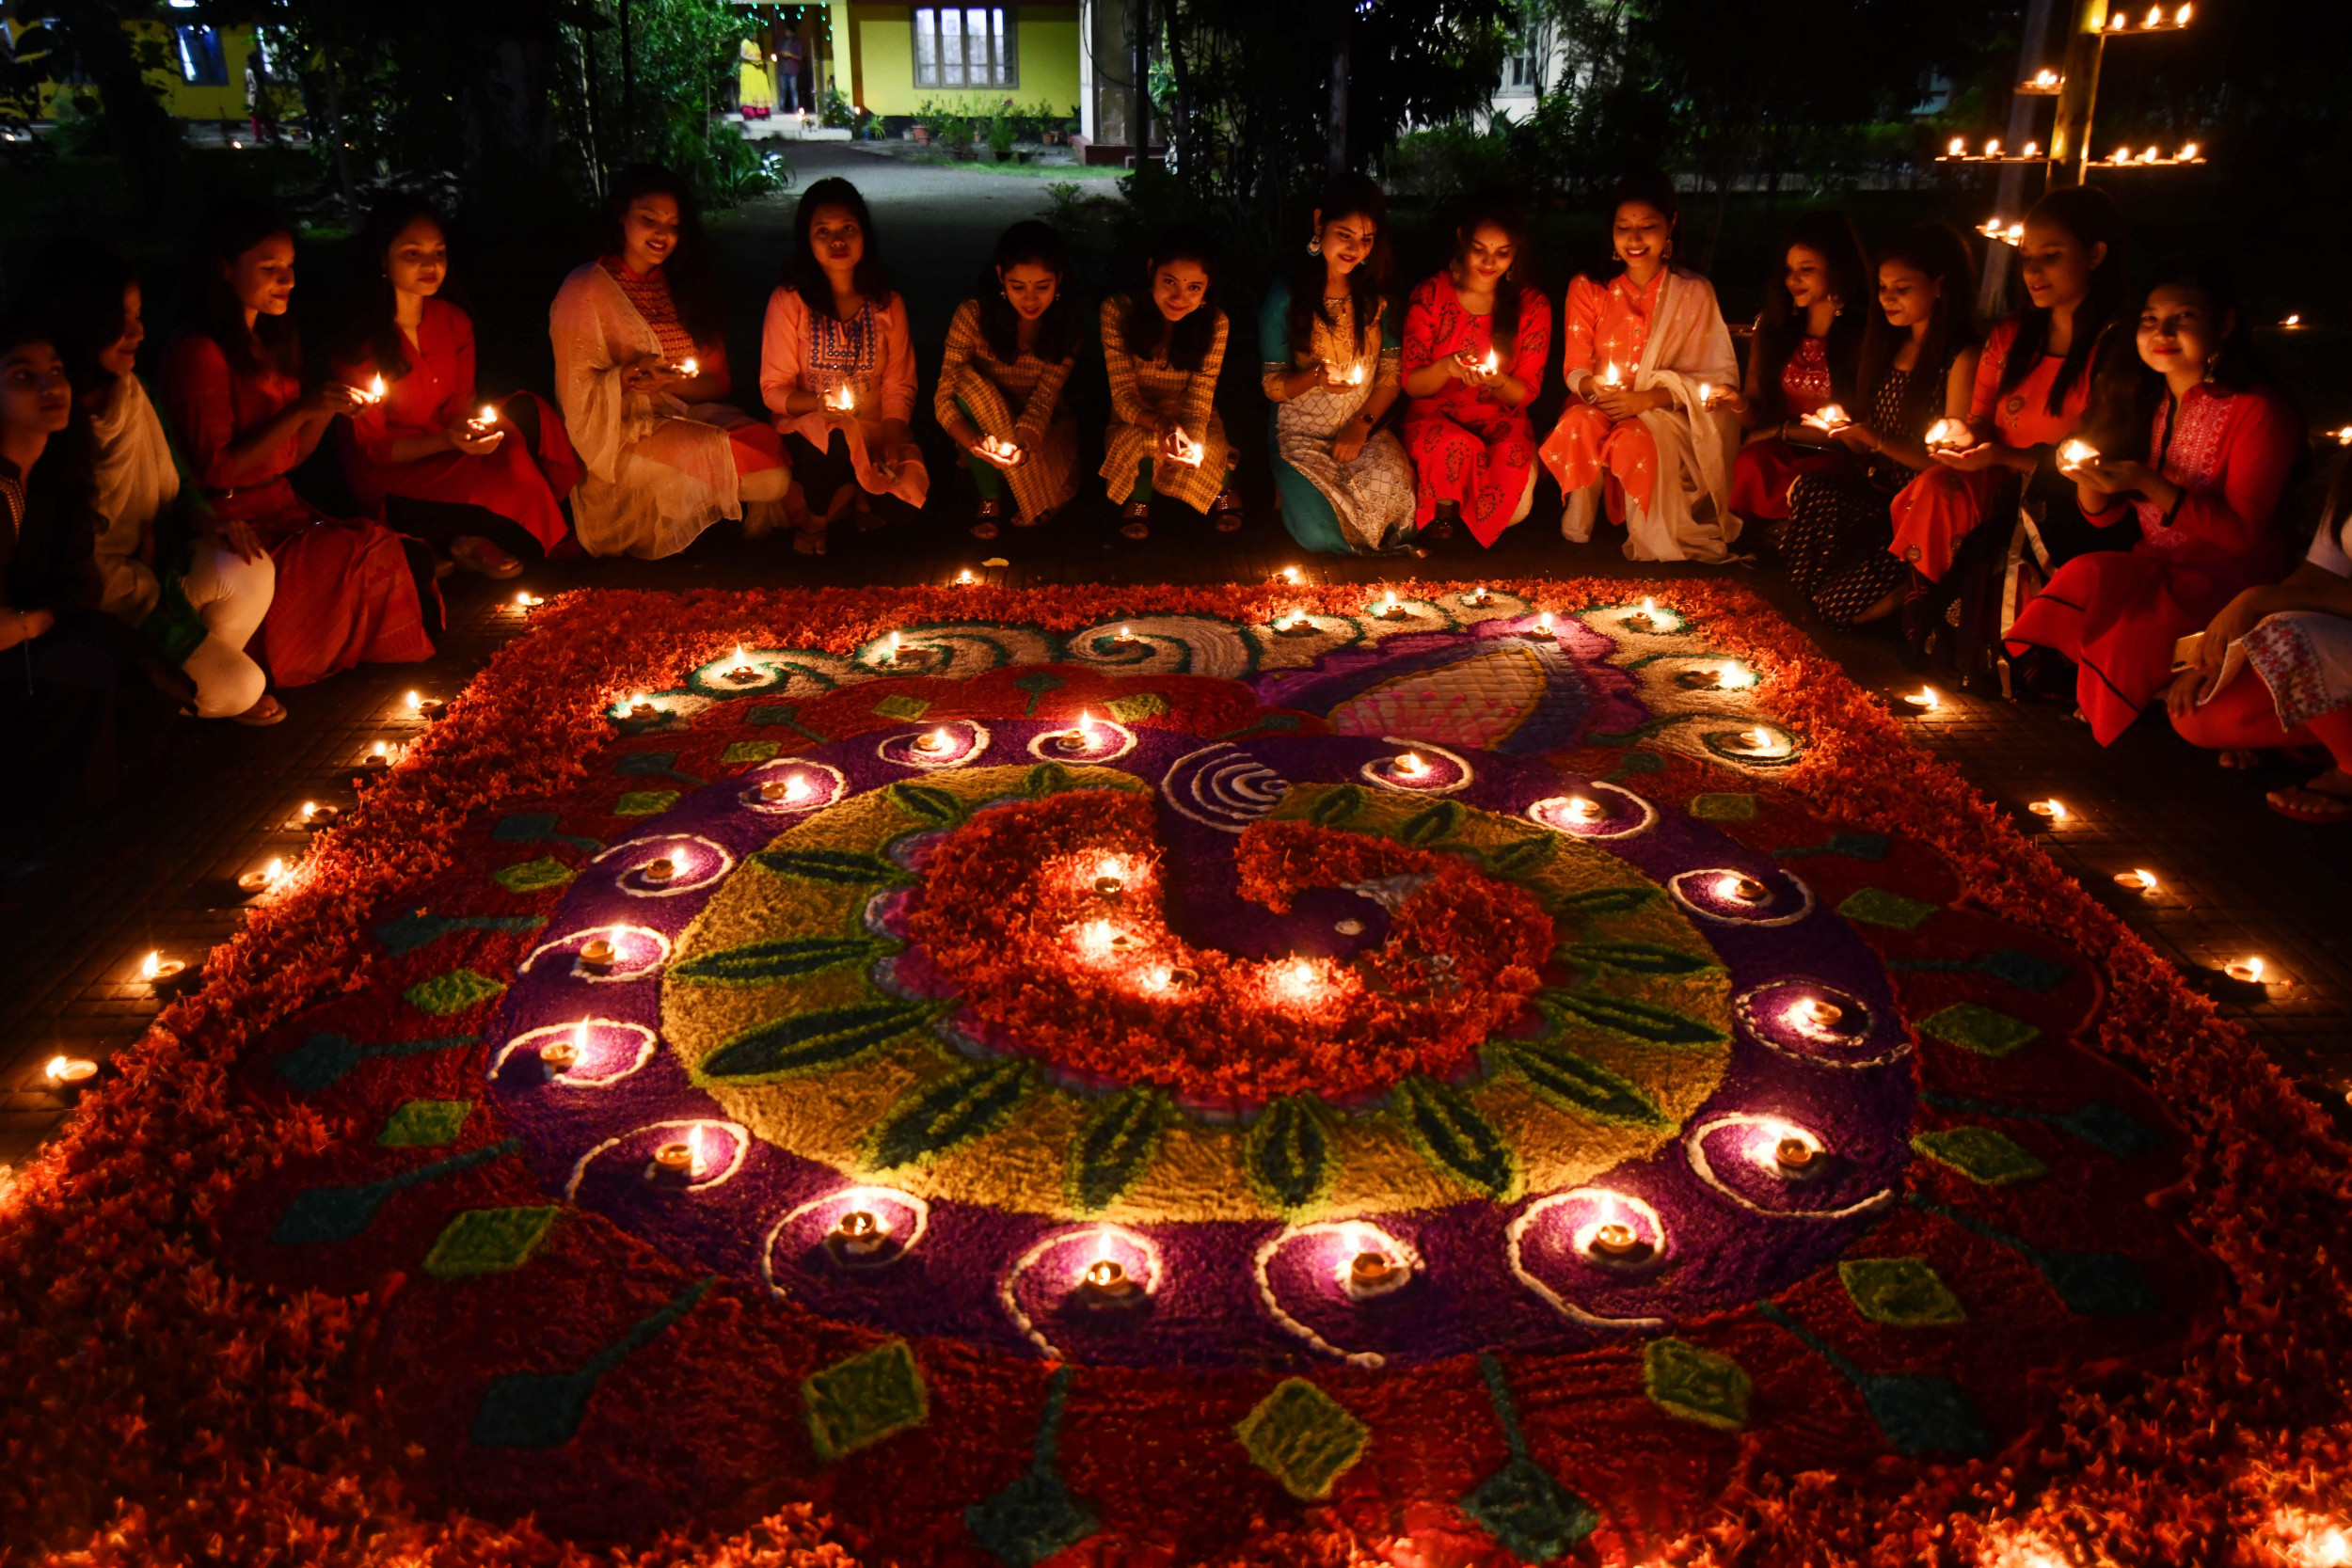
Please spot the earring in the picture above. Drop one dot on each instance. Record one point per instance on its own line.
(1315, 246)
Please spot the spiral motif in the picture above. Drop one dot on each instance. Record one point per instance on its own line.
(1222, 787)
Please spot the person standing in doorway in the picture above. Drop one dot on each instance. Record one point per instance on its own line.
(791, 52)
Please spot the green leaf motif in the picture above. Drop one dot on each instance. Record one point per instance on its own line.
(1117, 1145)
(926, 803)
(1048, 778)
(1569, 1081)
(807, 1042)
(848, 867)
(1335, 806)
(1448, 1129)
(1636, 957)
(764, 963)
(1599, 903)
(1524, 857)
(1432, 824)
(1622, 1015)
(1135, 710)
(964, 1106)
(1288, 1154)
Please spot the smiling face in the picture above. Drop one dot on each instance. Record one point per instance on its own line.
(34, 397)
(1487, 256)
(263, 278)
(836, 239)
(2179, 331)
(417, 260)
(1030, 286)
(1346, 240)
(2058, 268)
(1807, 277)
(1907, 294)
(649, 231)
(1179, 288)
(121, 357)
(1641, 233)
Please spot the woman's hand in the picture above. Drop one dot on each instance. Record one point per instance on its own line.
(1729, 398)
(1624, 402)
(647, 372)
(330, 398)
(1857, 437)
(2241, 615)
(1969, 460)
(22, 625)
(2180, 698)
(236, 535)
(1348, 444)
(474, 439)
(2096, 477)
(1003, 457)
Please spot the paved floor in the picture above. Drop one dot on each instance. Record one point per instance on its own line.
(81, 903)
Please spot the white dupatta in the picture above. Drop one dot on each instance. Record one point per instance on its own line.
(1687, 345)
(655, 472)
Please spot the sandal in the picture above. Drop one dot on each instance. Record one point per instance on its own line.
(991, 511)
(270, 710)
(2303, 803)
(485, 558)
(1135, 520)
(1226, 511)
(808, 542)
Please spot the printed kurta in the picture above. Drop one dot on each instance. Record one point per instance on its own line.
(1937, 509)
(525, 487)
(1328, 505)
(345, 595)
(1669, 468)
(1141, 389)
(1466, 446)
(872, 354)
(137, 479)
(1021, 403)
(655, 472)
(2116, 613)
(1764, 470)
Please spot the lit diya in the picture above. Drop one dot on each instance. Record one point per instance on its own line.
(858, 1234)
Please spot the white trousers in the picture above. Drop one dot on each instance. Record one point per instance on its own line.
(231, 594)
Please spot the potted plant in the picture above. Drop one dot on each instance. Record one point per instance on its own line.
(1000, 138)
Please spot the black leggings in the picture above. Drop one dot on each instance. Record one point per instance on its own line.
(821, 473)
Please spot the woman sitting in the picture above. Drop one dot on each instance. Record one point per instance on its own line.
(422, 453)
(1918, 368)
(1646, 344)
(1328, 343)
(64, 664)
(639, 361)
(836, 358)
(2033, 383)
(1475, 342)
(2297, 637)
(1164, 346)
(1009, 353)
(2200, 448)
(349, 592)
(1803, 360)
(197, 585)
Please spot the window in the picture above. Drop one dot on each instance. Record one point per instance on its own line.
(963, 46)
(200, 59)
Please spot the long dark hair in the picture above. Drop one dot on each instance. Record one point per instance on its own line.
(1348, 194)
(1937, 250)
(805, 278)
(1029, 242)
(693, 288)
(1145, 332)
(1832, 237)
(68, 464)
(78, 286)
(231, 229)
(2091, 215)
(2130, 392)
(375, 336)
(1651, 189)
(1502, 327)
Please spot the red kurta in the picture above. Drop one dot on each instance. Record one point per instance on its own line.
(345, 595)
(1607, 324)
(2116, 613)
(1466, 445)
(522, 485)
(1936, 511)
(1764, 470)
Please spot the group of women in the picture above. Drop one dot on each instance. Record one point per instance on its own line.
(2150, 460)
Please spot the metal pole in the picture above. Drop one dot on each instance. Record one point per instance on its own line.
(2078, 98)
(2010, 198)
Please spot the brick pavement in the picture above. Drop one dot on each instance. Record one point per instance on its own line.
(82, 905)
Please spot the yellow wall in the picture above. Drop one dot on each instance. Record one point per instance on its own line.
(1045, 43)
(182, 97)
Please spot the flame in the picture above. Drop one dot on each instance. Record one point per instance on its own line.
(1948, 432)
(376, 390)
(2032, 147)
(1611, 378)
(309, 809)
(964, 579)
(1490, 364)
(1992, 150)
(1542, 622)
(1298, 978)
(937, 740)
(690, 367)
(1584, 809)
(1736, 677)
(56, 1068)
(1759, 740)
(2073, 455)
(489, 413)
(1959, 147)
(1110, 865)
(697, 1160)
(1095, 936)
(381, 750)
(2052, 809)
(1156, 977)
(273, 871)
(150, 966)
(2187, 155)
(2180, 18)
(1290, 574)
(1411, 765)
(579, 1041)
(1926, 696)
(892, 646)
(414, 701)
(2252, 967)
(2155, 17)
(796, 789)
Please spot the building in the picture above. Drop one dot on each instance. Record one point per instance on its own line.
(203, 77)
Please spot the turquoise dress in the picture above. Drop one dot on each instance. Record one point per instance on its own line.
(1377, 486)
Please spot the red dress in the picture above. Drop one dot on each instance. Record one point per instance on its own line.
(522, 485)
(1764, 470)
(1466, 446)
(1936, 511)
(345, 594)
(1607, 324)
(2116, 613)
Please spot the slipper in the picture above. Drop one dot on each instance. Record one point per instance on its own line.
(984, 528)
(808, 542)
(2302, 803)
(488, 560)
(1138, 529)
(270, 710)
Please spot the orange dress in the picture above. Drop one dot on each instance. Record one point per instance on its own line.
(1937, 509)
(1607, 324)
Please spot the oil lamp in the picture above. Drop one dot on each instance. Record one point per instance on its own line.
(1816, 1014)
(2249, 970)
(2053, 810)
(2073, 455)
(1741, 888)
(560, 1054)
(858, 1233)
(661, 873)
(1583, 808)
(1948, 435)
(69, 1072)
(1798, 1156)
(596, 953)
(933, 743)
(1925, 700)
(743, 669)
(155, 968)
(2137, 881)
(256, 881)
(1411, 765)
(964, 579)
(1542, 628)
(1616, 1242)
